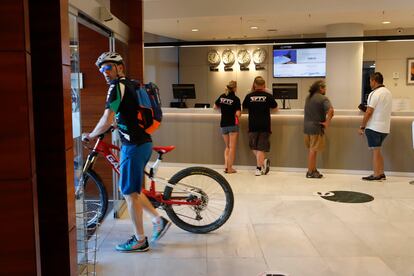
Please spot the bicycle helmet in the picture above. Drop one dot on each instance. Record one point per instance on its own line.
(109, 57)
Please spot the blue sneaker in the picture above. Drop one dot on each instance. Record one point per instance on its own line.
(160, 229)
(132, 245)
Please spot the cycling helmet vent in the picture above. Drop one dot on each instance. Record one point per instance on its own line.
(108, 57)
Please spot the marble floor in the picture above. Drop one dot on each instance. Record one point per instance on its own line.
(279, 226)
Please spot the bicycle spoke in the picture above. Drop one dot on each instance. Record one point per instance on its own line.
(209, 189)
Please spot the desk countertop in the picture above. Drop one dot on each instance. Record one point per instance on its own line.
(283, 112)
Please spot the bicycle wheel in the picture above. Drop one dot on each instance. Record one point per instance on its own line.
(95, 199)
(208, 186)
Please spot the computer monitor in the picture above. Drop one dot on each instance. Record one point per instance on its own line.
(285, 91)
(183, 91)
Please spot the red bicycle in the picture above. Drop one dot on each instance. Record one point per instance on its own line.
(196, 199)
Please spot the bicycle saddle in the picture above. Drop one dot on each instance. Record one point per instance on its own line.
(163, 149)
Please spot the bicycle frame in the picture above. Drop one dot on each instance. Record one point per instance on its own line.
(106, 150)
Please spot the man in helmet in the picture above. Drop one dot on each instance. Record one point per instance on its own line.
(135, 151)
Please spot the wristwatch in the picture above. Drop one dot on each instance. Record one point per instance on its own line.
(362, 127)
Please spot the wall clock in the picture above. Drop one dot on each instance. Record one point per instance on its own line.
(213, 58)
(259, 56)
(228, 57)
(243, 57)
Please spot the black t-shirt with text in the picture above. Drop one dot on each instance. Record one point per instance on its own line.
(121, 99)
(259, 104)
(229, 105)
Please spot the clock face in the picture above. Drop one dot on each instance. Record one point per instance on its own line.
(259, 56)
(243, 57)
(213, 57)
(228, 57)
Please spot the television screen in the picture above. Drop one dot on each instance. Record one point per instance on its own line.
(299, 61)
(184, 91)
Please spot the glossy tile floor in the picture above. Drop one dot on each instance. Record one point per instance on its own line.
(278, 225)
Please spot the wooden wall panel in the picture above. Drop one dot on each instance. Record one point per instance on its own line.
(93, 95)
(17, 254)
(20, 252)
(14, 135)
(130, 12)
(13, 21)
(120, 9)
(54, 153)
(122, 49)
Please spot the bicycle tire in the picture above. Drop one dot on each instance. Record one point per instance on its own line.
(194, 176)
(95, 199)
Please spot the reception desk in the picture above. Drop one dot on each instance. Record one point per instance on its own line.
(196, 133)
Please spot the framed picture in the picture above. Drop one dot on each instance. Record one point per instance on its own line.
(410, 71)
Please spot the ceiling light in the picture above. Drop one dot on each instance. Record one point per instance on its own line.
(254, 28)
(386, 22)
(194, 30)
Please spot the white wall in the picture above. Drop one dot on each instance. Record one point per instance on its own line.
(192, 67)
(161, 67)
(391, 57)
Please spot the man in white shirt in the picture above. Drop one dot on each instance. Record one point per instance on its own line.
(376, 123)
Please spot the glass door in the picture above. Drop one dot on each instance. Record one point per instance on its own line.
(76, 85)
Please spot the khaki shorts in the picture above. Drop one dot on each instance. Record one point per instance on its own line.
(315, 142)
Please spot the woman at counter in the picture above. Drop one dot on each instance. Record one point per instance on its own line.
(230, 108)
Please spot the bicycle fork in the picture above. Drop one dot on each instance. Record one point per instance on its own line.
(90, 160)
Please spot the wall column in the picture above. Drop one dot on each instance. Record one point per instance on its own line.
(50, 64)
(19, 231)
(131, 13)
(344, 66)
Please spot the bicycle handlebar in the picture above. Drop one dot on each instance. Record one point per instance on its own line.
(100, 136)
(110, 129)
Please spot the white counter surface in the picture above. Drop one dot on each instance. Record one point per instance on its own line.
(338, 112)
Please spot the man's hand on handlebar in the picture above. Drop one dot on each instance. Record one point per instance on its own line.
(85, 137)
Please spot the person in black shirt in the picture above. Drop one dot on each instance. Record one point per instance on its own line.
(135, 151)
(259, 103)
(230, 107)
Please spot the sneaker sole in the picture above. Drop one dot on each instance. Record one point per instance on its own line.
(162, 233)
(267, 166)
(133, 250)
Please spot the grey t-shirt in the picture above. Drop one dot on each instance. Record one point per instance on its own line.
(316, 108)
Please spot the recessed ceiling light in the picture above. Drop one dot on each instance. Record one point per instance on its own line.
(386, 22)
(194, 30)
(254, 28)
(272, 30)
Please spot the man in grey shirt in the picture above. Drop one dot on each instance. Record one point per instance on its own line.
(318, 115)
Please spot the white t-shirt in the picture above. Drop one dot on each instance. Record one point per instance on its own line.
(381, 101)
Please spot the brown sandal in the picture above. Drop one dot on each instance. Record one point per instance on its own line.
(232, 171)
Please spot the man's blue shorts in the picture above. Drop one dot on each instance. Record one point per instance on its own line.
(133, 161)
(374, 138)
